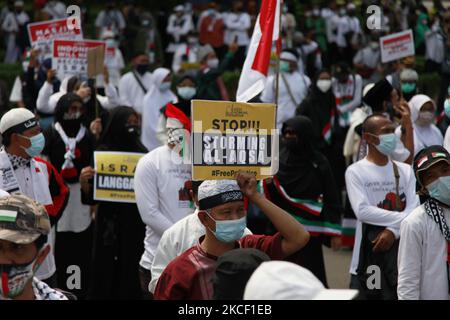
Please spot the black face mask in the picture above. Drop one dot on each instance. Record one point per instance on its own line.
(72, 126)
(142, 68)
(291, 143)
(133, 131)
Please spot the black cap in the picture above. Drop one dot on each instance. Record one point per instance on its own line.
(428, 157)
(379, 93)
(234, 268)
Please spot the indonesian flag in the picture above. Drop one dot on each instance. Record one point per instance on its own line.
(256, 66)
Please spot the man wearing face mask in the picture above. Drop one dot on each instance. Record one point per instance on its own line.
(293, 87)
(179, 25)
(69, 147)
(209, 78)
(159, 183)
(367, 61)
(135, 84)
(22, 171)
(408, 83)
(113, 62)
(382, 194)
(223, 214)
(180, 237)
(424, 251)
(186, 54)
(24, 227)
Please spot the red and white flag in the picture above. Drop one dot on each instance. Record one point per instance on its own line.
(254, 74)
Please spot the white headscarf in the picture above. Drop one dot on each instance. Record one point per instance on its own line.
(154, 100)
(424, 136)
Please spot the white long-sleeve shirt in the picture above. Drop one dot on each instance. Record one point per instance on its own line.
(177, 239)
(47, 100)
(178, 27)
(371, 190)
(422, 258)
(14, 21)
(298, 84)
(347, 24)
(159, 184)
(131, 93)
(237, 25)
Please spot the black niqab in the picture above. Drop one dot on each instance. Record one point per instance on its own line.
(115, 136)
(297, 162)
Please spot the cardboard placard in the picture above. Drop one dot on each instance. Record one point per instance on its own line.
(95, 61)
(114, 176)
(396, 46)
(228, 137)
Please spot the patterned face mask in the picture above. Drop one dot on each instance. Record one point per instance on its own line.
(14, 278)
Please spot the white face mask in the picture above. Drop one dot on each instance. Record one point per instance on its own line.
(213, 63)
(164, 86)
(425, 118)
(323, 85)
(186, 93)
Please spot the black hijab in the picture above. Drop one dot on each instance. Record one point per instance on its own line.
(116, 137)
(70, 127)
(182, 104)
(299, 160)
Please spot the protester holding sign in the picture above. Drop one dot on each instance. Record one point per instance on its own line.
(119, 231)
(222, 212)
(69, 146)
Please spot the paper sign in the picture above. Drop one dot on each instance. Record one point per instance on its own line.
(396, 46)
(228, 137)
(42, 34)
(70, 57)
(114, 176)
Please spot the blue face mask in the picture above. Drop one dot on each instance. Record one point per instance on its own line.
(229, 230)
(440, 190)
(387, 145)
(447, 107)
(285, 66)
(37, 145)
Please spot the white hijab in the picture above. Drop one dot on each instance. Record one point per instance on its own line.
(153, 101)
(424, 136)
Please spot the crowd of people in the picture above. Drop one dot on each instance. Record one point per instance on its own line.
(363, 159)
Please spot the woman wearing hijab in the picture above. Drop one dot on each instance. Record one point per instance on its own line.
(69, 147)
(157, 97)
(304, 186)
(320, 107)
(423, 111)
(186, 91)
(119, 230)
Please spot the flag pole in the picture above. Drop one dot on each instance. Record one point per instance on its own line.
(277, 62)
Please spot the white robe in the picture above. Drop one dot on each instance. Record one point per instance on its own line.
(298, 85)
(154, 100)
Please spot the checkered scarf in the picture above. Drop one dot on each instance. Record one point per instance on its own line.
(17, 161)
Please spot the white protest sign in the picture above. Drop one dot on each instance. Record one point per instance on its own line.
(396, 46)
(70, 57)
